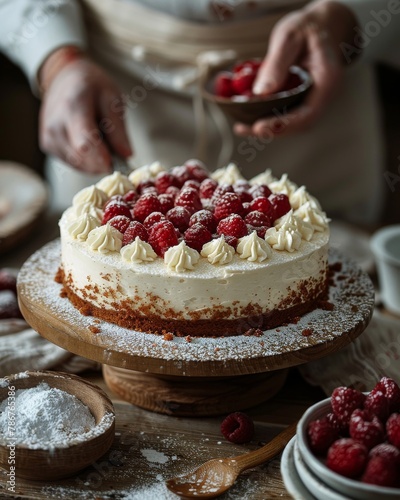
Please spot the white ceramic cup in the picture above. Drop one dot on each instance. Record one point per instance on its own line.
(385, 245)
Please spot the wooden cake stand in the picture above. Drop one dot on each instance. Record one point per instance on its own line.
(207, 376)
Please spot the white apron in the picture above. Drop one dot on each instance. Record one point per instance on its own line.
(154, 55)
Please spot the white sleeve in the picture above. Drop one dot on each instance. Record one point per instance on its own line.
(377, 36)
(31, 29)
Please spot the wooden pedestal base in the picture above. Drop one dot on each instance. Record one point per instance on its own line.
(193, 396)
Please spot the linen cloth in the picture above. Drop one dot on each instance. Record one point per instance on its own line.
(22, 349)
(376, 353)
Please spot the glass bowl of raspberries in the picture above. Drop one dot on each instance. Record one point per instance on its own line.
(351, 441)
(231, 89)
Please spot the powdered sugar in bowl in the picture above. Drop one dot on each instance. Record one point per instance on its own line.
(52, 425)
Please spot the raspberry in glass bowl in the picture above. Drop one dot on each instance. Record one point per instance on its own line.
(230, 88)
(351, 441)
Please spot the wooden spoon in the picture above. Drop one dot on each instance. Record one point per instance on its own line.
(217, 475)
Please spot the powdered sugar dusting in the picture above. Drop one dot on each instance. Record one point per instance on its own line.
(154, 456)
(352, 296)
(158, 448)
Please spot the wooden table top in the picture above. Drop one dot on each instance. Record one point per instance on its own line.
(150, 447)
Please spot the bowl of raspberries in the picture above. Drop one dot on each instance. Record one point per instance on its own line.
(231, 89)
(351, 441)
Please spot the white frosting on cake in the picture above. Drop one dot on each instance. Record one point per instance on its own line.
(147, 172)
(181, 258)
(138, 251)
(253, 248)
(81, 227)
(86, 208)
(105, 239)
(218, 251)
(283, 185)
(263, 178)
(92, 195)
(116, 183)
(313, 215)
(227, 175)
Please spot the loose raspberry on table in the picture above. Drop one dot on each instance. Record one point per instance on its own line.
(189, 198)
(233, 225)
(238, 428)
(207, 188)
(180, 217)
(206, 218)
(260, 190)
(280, 204)
(386, 451)
(8, 281)
(162, 236)
(197, 170)
(228, 204)
(9, 305)
(130, 198)
(392, 392)
(116, 208)
(258, 219)
(151, 219)
(144, 184)
(393, 429)
(262, 204)
(167, 201)
(197, 236)
(321, 435)
(120, 222)
(134, 229)
(366, 428)
(164, 180)
(377, 404)
(344, 401)
(347, 457)
(145, 205)
(381, 472)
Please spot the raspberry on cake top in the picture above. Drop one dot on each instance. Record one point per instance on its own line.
(193, 252)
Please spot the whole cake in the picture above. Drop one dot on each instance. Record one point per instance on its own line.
(193, 253)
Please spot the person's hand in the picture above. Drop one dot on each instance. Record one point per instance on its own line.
(79, 121)
(309, 38)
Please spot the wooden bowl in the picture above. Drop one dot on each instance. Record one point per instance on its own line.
(59, 462)
(250, 109)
